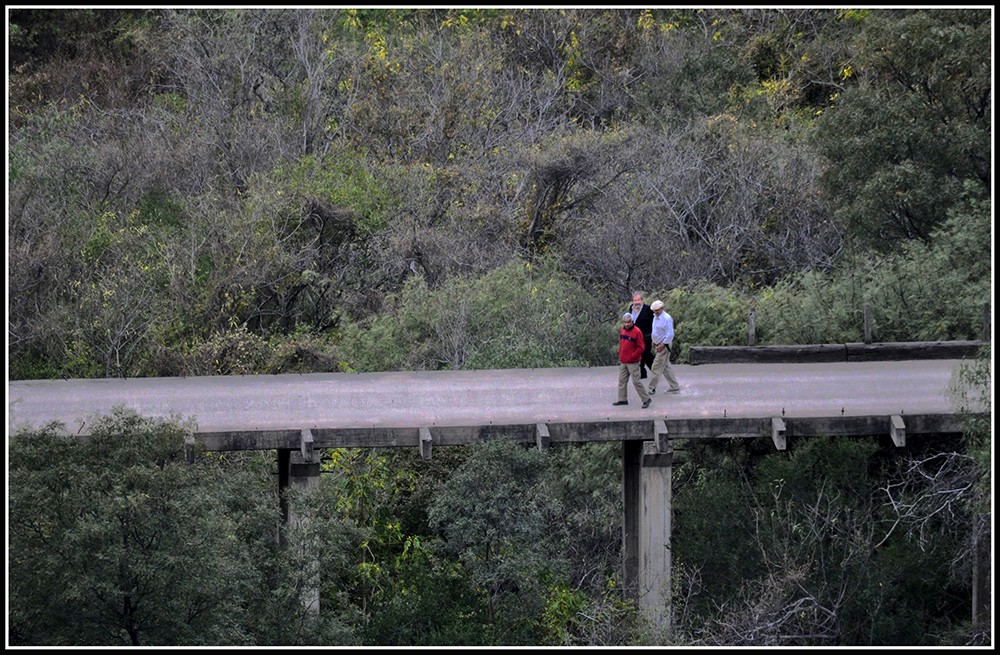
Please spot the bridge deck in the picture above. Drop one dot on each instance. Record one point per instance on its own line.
(388, 409)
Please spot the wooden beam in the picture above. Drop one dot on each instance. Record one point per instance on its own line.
(542, 437)
(897, 430)
(426, 441)
(778, 433)
(906, 350)
(868, 323)
(834, 352)
(823, 352)
(637, 430)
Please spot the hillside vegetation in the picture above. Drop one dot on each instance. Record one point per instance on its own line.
(249, 191)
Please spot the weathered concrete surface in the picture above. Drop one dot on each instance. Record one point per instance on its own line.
(492, 397)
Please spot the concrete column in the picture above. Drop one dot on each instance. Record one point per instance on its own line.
(656, 494)
(295, 472)
(284, 455)
(981, 564)
(631, 461)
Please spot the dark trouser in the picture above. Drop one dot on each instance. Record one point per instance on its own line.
(647, 356)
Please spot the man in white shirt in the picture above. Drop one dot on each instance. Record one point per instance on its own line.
(663, 336)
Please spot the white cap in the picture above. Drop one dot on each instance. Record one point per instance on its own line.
(656, 305)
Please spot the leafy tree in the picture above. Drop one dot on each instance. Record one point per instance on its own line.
(902, 141)
(116, 541)
(61, 55)
(430, 600)
(493, 514)
(810, 554)
(588, 608)
(928, 291)
(520, 316)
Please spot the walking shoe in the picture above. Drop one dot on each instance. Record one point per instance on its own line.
(646, 402)
(651, 392)
(675, 390)
(620, 402)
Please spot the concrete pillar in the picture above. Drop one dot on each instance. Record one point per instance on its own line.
(981, 565)
(284, 455)
(631, 461)
(648, 499)
(295, 472)
(656, 474)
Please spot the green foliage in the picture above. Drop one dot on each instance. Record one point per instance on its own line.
(929, 291)
(237, 352)
(117, 301)
(812, 308)
(519, 316)
(561, 611)
(706, 315)
(587, 607)
(586, 478)
(115, 541)
(493, 514)
(712, 529)
(430, 601)
(345, 183)
(904, 139)
(302, 353)
(171, 102)
(32, 365)
(410, 595)
(797, 529)
(365, 487)
(158, 208)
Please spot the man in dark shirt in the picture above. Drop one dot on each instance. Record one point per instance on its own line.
(642, 316)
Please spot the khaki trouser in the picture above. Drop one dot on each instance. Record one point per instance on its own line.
(661, 366)
(625, 371)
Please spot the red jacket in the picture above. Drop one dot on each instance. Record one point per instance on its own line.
(630, 345)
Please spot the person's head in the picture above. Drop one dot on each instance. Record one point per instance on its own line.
(626, 321)
(636, 298)
(657, 307)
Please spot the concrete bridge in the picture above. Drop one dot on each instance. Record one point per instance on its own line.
(297, 415)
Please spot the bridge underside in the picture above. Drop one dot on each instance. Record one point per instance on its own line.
(647, 468)
(777, 427)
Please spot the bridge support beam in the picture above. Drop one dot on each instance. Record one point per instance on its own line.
(426, 443)
(631, 462)
(542, 437)
(647, 478)
(296, 472)
(778, 433)
(897, 430)
(654, 541)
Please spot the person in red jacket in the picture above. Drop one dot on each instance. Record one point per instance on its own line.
(631, 345)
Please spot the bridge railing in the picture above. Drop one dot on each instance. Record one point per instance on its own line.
(866, 350)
